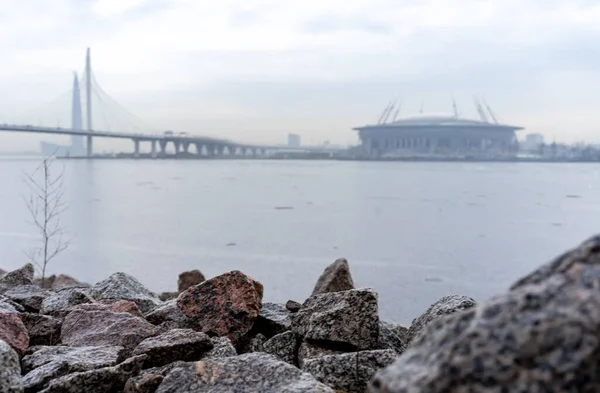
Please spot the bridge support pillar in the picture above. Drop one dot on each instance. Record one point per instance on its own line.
(153, 149)
(186, 146)
(163, 148)
(136, 148)
(210, 150)
(90, 146)
(199, 147)
(177, 144)
(220, 150)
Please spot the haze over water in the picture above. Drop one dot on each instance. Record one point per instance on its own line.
(412, 231)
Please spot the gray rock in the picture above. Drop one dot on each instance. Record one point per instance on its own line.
(42, 329)
(78, 359)
(273, 319)
(540, 336)
(399, 330)
(147, 383)
(8, 306)
(103, 380)
(59, 304)
(284, 346)
(37, 379)
(222, 348)
(23, 276)
(2, 273)
(164, 296)
(176, 344)
(348, 317)
(349, 372)
(336, 277)
(388, 339)
(96, 328)
(29, 296)
(293, 306)
(252, 343)
(10, 370)
(165, 370)
(168, 316)
(309, 350)
(249, 373)
(121, 286)
(445, 306)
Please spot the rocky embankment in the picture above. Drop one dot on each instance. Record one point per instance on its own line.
(218, 336)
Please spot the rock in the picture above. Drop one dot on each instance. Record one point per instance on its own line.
(29, 296)
(64, 281)
(103, 380)
(2, 273)
(348, 318)
(164, 296)
(335, 278)
(309, 350)
(165, 370)
(540, 336)
(293, 306)
(77, 359)
(95, 328)
(13, 332)
(60, 304)
(60, 282)
(252, 344)
(399, 330)
(349, 372)
(168, 316)
(284, 346)
(226, 305)
(249, 373)
(23, 276)
(8, 306)
(121, 286)
(10, 370)
(222, 348)
(42, 329)
(37, 379)
(388, 339)
(176, 344)
(189, 279)
(147, 383)
(445, 306)
(273, 319)
(111, 305)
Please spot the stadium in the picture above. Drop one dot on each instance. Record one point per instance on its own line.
(438, 135)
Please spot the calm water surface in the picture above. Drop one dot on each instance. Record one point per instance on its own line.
(412, 231)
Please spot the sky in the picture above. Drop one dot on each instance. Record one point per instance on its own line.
(255, 70)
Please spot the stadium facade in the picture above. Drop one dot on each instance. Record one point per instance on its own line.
(438, 135)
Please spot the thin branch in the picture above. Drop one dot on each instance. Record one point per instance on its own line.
(45, 206)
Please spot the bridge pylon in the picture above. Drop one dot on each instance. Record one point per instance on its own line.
(88, 104)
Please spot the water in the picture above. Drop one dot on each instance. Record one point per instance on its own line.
(412, 231)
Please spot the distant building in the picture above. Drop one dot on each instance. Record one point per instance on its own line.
(438, 135)
(294, 140)
(430, 135)
(532, 142)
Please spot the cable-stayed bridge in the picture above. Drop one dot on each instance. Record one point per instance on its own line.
(100, 107)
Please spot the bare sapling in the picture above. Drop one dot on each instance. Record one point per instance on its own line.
(46, 205)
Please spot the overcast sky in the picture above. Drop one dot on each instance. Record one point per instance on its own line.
(257, 69)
